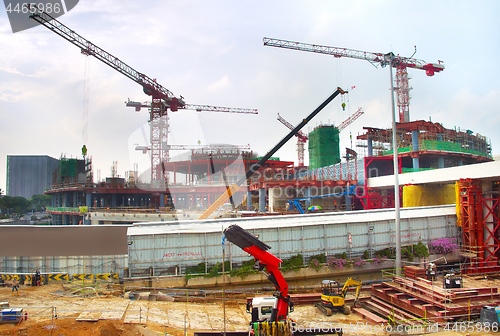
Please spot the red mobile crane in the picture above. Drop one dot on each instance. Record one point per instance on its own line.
(162, 98)
(270, 314)
(399, 62)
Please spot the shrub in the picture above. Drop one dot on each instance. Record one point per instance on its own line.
(315, 264)
(358, 262)
(294, 263)
(387, 253)
(443, 245)
(420, 250)
(321, 258)
(336, 262)
(378, 260)
(366, 254)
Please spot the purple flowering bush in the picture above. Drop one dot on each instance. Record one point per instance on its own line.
(314, 263)
(358, 262)
(443, 245)
(336, 262)
(378, 260)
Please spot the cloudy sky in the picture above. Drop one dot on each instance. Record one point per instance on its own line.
(211, 52)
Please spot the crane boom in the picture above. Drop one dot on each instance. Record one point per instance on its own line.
(381, 58)
(351, 119)
(399, 62)
(150, 86)
(198, 108)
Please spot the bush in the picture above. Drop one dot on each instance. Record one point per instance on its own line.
(420, 250)
(378, 260)
(366, 255)
(407, 253)
(315, 264)
(443, 245)
(321, 258)
(358, 262)
(293, 263)
(387, 253)
(198, 269)
(336, 262)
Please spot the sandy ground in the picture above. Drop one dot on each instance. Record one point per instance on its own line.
(50, 312)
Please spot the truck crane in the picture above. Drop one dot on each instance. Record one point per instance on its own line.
(269, 314)
(234, 187)
(399, 62)
(302, 138)
(162, 99)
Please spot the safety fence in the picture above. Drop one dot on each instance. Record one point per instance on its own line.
(25, 278)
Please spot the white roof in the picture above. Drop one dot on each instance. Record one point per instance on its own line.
(218, 225)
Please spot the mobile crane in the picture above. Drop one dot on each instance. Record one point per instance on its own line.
(269, 314)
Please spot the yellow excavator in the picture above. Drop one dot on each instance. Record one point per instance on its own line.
(333, 297)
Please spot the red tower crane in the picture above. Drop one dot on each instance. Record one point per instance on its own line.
(302, 138)
(398, 62)
(162, 99)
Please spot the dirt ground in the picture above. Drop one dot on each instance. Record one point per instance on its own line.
(52, 312)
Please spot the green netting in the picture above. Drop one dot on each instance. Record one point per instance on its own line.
(68, 167)
(324, 147)
(443, 146)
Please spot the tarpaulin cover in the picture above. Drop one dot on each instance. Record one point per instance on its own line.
(425, 195)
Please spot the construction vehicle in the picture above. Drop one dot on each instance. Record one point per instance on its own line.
(333, 297)
(269, 314)
(234, 187)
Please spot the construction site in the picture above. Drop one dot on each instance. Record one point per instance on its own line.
(399, 235)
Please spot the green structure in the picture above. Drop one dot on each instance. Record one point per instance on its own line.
(324, 147)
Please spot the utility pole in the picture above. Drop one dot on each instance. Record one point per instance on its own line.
(396, 170)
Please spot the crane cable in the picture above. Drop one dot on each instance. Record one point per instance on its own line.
(86, 96)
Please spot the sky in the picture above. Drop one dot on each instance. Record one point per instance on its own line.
(53, 99)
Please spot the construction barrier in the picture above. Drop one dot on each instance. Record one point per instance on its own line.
(26, 279)
(58, 277)
(81, 277)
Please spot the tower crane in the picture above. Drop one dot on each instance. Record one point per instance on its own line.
(399, 62)
(302, 138)
(162, 99)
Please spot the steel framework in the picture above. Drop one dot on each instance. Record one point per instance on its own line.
(480, 226)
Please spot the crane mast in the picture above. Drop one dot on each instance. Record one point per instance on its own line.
(301, 140)
(399, 62)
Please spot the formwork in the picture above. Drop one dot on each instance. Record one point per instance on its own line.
(166, 248)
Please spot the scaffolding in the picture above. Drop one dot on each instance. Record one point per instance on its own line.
(432, 137)
(479, 214)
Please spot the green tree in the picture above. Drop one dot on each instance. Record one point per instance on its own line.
(40, 202)
(15, 205)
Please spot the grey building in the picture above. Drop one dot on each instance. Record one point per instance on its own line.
(29, 175)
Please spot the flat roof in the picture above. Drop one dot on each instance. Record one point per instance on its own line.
(483, 171)
(218, 225)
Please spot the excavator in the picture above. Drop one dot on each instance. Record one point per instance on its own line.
(333, 297)
(269, 314)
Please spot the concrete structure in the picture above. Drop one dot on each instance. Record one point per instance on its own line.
(29, 175)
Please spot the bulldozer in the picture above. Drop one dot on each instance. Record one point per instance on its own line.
(333, 297)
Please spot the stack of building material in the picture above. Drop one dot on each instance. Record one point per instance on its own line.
(429, 300)
(414, 272)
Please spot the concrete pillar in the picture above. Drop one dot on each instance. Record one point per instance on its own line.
(441, 162)
(113, 201)
(348, 201)
(414, 148)
(271, 199)
(249, 201)
(460, 163)
(162, 200)
(308, 195)
(370, 146)
(88, 200)
(262, 200)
